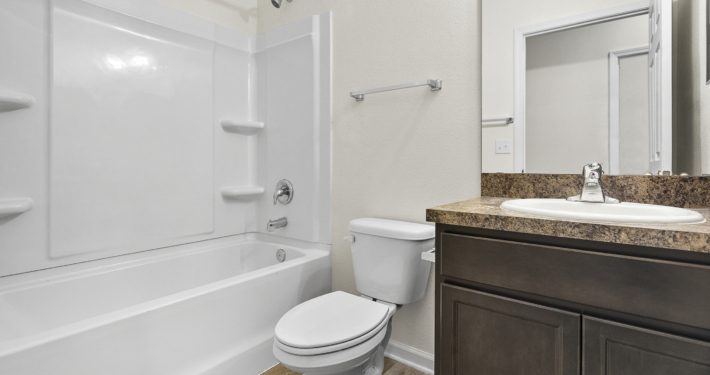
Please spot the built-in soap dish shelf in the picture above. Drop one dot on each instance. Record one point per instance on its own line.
(15, 206)
(13, 100)
(242, 192)
(242, 127)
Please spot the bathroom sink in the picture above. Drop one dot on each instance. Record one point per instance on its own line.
(626, 213)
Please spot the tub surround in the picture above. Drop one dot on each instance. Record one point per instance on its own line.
(486, 213)
(676, 191)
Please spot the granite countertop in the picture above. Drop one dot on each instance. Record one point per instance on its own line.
(485, 213)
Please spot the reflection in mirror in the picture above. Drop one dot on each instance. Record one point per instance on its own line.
(594, 81)
(567, 96)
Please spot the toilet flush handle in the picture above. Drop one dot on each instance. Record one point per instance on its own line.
(429, 255)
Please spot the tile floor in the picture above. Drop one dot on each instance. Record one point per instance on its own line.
(392, 367)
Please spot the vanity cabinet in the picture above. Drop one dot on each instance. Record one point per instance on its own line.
(512, 304)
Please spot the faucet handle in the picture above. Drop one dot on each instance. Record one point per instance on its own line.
(284, 192)
(592, 172)
(592, 167)
(592, 187)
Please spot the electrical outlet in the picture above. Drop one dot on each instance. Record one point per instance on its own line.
(503, 146)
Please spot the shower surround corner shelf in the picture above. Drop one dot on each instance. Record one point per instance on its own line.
(13, 100)
(240, 192)
(15, 206)
(242, 127)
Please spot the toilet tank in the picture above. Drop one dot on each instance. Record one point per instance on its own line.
(387, 258)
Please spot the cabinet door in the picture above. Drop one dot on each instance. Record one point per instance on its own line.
(483, 334)
(617, 349)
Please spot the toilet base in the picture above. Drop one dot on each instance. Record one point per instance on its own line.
(371, 364)
(374, 366)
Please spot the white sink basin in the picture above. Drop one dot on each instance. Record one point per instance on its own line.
(627, 213)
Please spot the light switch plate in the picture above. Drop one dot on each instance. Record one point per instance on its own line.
(503, 146)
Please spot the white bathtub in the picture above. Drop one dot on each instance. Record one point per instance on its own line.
(207, 308)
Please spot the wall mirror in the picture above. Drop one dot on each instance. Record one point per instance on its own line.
(621, 83)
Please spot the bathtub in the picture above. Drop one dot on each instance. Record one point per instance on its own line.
(204, 308)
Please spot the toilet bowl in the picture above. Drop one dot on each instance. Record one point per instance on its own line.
(338, 333)
(341, 333)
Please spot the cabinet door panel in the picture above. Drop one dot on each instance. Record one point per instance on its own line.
(617, 349)
(483, 334)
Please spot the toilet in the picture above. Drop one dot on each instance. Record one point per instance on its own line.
(346, 334)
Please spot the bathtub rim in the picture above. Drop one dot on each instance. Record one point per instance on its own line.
(312, 252)
(34, 278)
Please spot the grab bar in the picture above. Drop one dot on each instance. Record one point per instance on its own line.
(498, 121)
(434, 85)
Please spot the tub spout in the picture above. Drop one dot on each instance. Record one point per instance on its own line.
(276, 224)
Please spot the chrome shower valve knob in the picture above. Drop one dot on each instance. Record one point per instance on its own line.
(284, 192)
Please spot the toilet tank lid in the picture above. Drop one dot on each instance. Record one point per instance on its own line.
(401, 230)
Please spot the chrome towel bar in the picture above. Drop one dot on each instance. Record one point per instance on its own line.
(434, 85)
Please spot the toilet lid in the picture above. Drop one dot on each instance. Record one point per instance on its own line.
(329, 320)
(392, 229)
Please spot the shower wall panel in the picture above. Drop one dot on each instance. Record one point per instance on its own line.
(131, 151)
(294, 101)
(236, 164)
(143, 130)
(24, 68)
(122, 150)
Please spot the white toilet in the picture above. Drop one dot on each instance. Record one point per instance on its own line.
(341, 333)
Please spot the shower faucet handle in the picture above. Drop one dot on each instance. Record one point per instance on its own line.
(284, 192)
(277, 3)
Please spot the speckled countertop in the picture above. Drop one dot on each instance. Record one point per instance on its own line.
(486, 213)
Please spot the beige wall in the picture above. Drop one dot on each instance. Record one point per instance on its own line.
(395, 154)
(236, 14)
(567, 119)
(500, 19)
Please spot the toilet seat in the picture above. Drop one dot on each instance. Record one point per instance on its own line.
(330, 323)
(331, 348)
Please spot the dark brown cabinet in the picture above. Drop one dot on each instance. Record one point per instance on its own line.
(616, 349)
(495, 335)
(517, 307)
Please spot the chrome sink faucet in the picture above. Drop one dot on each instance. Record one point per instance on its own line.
(592, 191)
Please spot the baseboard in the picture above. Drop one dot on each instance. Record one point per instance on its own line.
(410, 356)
